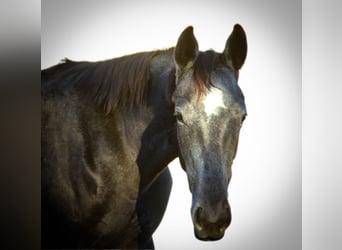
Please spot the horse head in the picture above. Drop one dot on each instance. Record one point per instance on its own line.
(209, 108)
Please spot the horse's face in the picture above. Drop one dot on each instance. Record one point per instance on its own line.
(208, 126)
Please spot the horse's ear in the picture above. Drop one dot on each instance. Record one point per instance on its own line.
(186, 50)
(236, 48)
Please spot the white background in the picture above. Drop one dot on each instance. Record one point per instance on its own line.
(265, 191)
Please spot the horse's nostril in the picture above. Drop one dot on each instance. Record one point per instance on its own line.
(228, 217)
(225, 204)
(197, 218)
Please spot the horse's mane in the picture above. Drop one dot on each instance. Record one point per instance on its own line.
(123, 81)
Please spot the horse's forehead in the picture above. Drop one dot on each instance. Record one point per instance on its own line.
(213, 100)
(226, 86)
(216, 100)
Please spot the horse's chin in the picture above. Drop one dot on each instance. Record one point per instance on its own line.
(208, 235)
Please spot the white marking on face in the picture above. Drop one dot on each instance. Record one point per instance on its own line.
(213, 100)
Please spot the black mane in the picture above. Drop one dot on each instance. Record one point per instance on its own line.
(120, 81)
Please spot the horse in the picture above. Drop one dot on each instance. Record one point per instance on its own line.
(110, 128)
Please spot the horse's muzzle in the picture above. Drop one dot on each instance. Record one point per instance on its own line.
(210, 224)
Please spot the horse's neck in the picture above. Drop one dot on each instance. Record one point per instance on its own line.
(158, 143)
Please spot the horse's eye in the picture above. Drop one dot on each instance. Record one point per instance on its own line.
(243, 118)
(179, 117)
